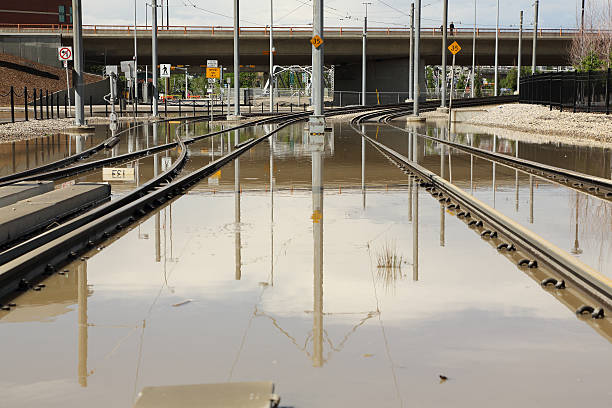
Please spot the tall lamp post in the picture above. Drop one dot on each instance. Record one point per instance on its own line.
(154, 55)
(317, 120)
(236, 58)
(444, 41)
(535, 36)
(363, 56)
(271, 57)
(496, 51)
(473, 92)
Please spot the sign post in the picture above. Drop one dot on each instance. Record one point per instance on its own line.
(65, 54)
(454, 48)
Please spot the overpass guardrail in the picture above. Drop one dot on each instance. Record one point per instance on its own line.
(280, 30)
(574, 91)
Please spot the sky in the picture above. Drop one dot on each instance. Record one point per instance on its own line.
(381, 13)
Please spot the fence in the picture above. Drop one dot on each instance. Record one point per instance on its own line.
(575, 91)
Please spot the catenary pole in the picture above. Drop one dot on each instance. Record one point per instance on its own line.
(535, 36)
(411, 59)
(271, 57)
(444, 43)
(317, 62)
(473, 92)
(520, 52)
(363, 56)
(135, 57)
(154, 67)
(79, 95)
(417, 57)
(236, 58)
(496, 51)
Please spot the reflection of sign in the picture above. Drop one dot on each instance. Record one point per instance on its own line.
(213, 73)
(214, 179)
(316, 41)
(454, 48)
(164, 70)
(64, 53)
(316, 216)
(166, 162)
(212, 64)
(118, 174)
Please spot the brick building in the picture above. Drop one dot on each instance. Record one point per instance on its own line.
(36, 12)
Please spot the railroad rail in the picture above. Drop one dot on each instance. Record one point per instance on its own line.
(494, 225)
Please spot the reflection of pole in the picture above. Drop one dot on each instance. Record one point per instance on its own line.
(472, 166)
(494, 168)
(531, 199)
(442, 227)
(363, 191)
(317, 232)
(271, 140)
(516, 180)
(415, 233)
(237, 243)
(157, 222)
(82, 301)
(576, 250)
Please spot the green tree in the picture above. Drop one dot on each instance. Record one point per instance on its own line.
(461, 82)
(429, 75)
(591, 62)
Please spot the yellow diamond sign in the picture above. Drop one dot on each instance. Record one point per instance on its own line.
(454, 48)
(316, 41)
(316, 216)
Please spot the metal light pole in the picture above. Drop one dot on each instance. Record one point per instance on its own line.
(444, 41)
(520, 52)
(411, 58)
(77, 39)
(154, 54)
(236, 58)
(168, 14)
(272, 57)
(363, 56)
(473, 92)
(496, 50)
(317, 120)
(162, 14)
(535, 36)
(417, 57)
(582, 18)
(135, 58)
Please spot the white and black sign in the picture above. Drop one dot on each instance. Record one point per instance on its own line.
(212, 64)
(164, 70)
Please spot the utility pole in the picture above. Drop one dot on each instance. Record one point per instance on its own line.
(135, 59)
(168, 14)
(162, 14)
(417, 57)
(317, 120)
(535, 36)
(236, 58)
(520, 52)
(363, 56)
(271, 57)
(154, 55)
(444, 50)
(473, 92)
(411, 58)
(77, 39)
(496, 51)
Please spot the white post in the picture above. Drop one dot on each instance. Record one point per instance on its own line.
(417, 57)
(411, 58)
(236, 58)
(520, 52)
(444, 50)
(450, 99)
(67, 86)
(363, 56)
(135, 58)
(496, 51)
(154, 55)
(77, 40)
(271, 81)
(474, 54)
(535, 37)
(317, 120)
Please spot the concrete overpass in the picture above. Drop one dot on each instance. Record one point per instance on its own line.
(387, 47)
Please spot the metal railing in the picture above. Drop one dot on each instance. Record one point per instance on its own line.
(576, 91)
(281, 30)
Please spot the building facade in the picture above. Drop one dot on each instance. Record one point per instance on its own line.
(35, 12)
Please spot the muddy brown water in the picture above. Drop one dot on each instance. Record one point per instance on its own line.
(237, 281)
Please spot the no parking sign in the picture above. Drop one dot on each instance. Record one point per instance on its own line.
(64, 53)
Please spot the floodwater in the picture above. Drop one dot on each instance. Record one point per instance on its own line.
(237, 281)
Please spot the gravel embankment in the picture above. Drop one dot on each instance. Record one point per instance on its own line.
(10, 132)
(540, 120)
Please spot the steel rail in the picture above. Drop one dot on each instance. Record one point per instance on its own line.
(558, 260)
(592, 185)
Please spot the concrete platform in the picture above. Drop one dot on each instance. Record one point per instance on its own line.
(27, 216)
(23, 190)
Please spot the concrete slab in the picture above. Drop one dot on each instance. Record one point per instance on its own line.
(27, 216)
(463, 114)
(23, 190)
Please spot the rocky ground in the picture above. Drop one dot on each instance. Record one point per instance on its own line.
(539, 119)
(34, 128)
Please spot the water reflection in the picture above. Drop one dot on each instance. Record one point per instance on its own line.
(317, 146)
(237, 226)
